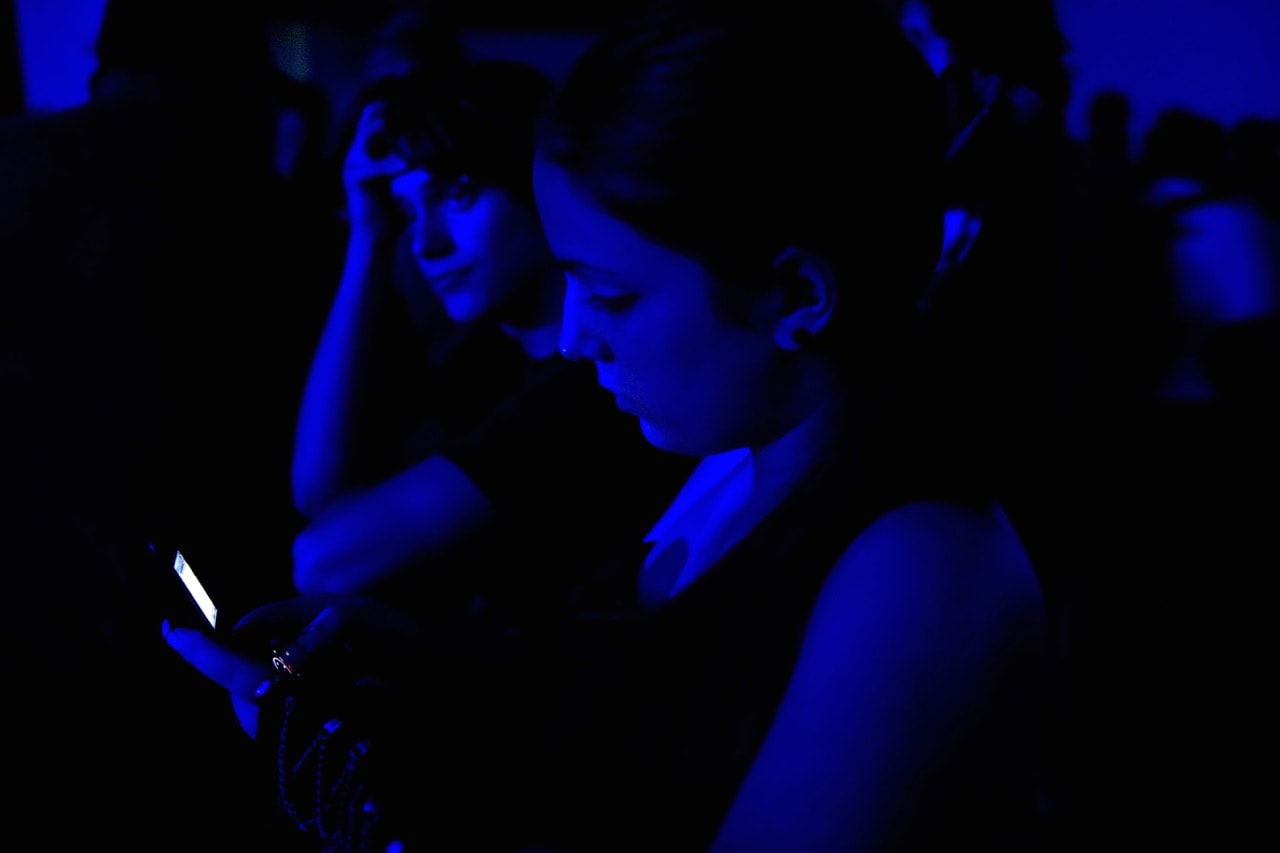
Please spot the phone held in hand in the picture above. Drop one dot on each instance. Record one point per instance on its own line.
(196, 606)
(184, 598)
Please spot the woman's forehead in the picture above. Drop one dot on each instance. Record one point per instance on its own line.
(418, 182)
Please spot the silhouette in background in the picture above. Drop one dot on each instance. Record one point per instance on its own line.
(151, 258)
(1245, 356)
(353, 47)
(1180, 428)
(148, 258)
(409, 38)
(1001, 65)
(1106, 269)
(1255, 161)
(1213, 253)
(304, 116)
(1105, 278)
(12, 100)
(1003, 285)
(832, 638)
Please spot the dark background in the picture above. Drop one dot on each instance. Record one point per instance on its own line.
(1214, 56)
(1176, 638)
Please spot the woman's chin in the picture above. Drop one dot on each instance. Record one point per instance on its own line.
(666, 441)
(464, 308)
(655, 436)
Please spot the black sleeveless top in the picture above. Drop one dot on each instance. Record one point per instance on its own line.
(653, 716)
(611, 727)
(659, 712)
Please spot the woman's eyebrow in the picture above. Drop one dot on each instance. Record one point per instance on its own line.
(576, 267)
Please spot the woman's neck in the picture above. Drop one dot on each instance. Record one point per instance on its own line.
(797, 451)
(808, 396)
(730, 492)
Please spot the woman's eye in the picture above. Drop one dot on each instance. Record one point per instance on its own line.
(405, 208)
(461, 192)
(612, 304)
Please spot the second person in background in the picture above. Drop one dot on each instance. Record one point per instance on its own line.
(432, 456)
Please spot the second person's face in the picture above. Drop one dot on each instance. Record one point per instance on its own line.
(476, 246)
(699, 382)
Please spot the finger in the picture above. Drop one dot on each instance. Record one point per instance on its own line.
(287, 615)
(371, 144)
(381, 160)
(247, 714)
(372, 113)
(237, 673)
(321, 633)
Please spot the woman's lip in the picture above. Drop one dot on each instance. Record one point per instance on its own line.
(623, 402)
(446, 281)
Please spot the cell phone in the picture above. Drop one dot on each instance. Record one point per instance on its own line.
(178, 593)
(184, 598)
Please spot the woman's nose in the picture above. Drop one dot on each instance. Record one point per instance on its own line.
(431, 237)
(577, 338)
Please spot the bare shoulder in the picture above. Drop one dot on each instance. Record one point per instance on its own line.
(921, 660)
(923, 525)
(953, 542)
(961, 569)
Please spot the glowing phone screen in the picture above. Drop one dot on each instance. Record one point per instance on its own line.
(197, 590)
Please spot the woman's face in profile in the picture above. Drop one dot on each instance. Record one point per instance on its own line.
(699, 382)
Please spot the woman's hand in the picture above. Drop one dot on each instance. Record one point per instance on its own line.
(240, 674)
(367, 170)
(333, 637)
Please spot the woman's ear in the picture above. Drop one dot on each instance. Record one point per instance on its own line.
(808, 289)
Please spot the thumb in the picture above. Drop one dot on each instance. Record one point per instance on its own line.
(239, 674)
